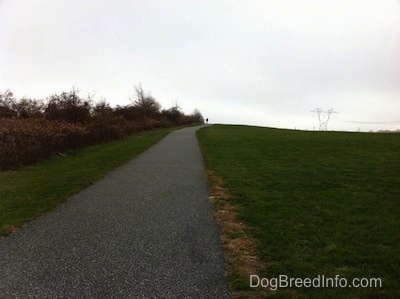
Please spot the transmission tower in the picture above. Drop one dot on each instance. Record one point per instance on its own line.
(324, 117)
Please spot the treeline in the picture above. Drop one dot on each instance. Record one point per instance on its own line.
(31, 129)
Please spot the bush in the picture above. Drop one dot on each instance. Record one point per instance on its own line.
(7, 105)
(110, 127)
(25, 141)
(31, 130)
(69, 107)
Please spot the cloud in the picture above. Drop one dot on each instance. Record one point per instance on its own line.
(256, 61)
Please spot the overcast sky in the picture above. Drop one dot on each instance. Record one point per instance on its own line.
(266, 62)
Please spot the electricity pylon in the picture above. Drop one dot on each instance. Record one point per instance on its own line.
(324, 117)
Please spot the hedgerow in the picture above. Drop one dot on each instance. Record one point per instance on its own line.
(31, 130)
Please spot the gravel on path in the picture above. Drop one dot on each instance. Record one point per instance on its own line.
(145, 230)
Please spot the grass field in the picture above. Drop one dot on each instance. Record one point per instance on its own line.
(318, 203)
(29, 192)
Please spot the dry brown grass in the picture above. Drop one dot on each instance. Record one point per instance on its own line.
(238, 246)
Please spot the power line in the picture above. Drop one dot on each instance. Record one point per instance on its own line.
(372, 122)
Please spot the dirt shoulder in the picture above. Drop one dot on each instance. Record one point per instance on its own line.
(238, 246)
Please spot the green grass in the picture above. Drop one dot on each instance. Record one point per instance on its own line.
(29, 192)
(320, 203)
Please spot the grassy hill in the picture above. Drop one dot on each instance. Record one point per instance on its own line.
(317, 203)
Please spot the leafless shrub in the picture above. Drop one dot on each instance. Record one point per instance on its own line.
(69, 107)
(31, 130)
(25, 141)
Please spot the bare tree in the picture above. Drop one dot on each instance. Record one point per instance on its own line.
(102, 108)
(27, 107)
(197, 116)
(146, 102)
(7, 104)
(68, 106)
(174, 114)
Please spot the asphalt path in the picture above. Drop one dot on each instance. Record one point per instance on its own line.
(146, 230)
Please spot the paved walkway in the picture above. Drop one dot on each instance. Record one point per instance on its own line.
(145, 230)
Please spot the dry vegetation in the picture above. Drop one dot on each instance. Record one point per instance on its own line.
(239, 248)
(31, 129)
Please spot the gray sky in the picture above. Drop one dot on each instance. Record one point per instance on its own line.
(266, 62)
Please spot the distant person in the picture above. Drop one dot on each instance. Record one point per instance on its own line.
(206, 120)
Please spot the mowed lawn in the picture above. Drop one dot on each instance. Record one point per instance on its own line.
(319, 203)
(28, 192)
